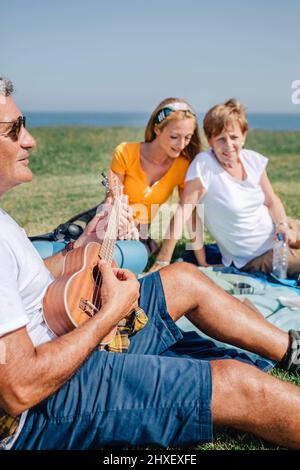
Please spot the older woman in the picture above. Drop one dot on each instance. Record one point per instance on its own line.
(242, 211)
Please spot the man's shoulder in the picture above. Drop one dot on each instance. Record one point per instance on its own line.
(2, 212)
(9, 226)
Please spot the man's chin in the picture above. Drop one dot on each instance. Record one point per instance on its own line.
(27, 177)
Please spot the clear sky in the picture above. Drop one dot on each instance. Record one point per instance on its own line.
(127, 55)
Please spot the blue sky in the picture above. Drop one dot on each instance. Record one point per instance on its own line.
(127, 55)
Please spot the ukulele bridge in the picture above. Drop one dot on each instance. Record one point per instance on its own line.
(87, 307)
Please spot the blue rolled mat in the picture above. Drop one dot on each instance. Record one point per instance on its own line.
(128, 254)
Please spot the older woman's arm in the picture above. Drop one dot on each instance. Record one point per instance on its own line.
(189, 198)
(277, 211)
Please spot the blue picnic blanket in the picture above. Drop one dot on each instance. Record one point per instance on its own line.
(277, 300)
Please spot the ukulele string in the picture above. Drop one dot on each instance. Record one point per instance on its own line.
(106, 251)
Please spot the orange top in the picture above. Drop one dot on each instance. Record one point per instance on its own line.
(145, 199)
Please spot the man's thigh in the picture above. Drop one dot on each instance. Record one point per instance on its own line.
(121, 399)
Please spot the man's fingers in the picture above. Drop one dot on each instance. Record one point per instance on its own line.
(123, 274)
(105, 269)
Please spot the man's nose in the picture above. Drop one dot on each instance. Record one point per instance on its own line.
(27, 140)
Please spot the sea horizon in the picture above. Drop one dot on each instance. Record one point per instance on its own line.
(262, 121)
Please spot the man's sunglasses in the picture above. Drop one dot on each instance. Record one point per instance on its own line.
(14, 127)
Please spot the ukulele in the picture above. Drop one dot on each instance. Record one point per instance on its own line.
(75, 297)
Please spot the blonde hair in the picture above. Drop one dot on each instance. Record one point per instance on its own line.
(221, 116)
(194, 146)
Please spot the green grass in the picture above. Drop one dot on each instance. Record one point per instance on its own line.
(67, 164)
(68, 160)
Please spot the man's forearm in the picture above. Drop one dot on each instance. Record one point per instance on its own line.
(55, 263)
(50, 365)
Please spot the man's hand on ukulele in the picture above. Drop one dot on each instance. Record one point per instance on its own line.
(119, 290)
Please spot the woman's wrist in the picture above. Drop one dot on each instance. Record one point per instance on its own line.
(162, 262)
(283, 224)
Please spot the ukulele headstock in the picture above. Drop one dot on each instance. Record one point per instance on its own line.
(112, 184)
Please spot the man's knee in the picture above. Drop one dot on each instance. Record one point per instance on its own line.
(182, 273)
(237, 388)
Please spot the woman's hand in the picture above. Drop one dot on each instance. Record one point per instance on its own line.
(290, 235)
(96, 228)
(127, 228)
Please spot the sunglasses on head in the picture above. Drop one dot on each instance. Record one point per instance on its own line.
(14, 127)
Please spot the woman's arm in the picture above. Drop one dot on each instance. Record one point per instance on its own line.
(190, 196)
(196, 229)
(277, 211)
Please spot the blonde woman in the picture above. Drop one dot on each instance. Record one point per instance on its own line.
(150, 170)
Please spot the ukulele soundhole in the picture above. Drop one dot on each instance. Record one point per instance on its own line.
(97, 276)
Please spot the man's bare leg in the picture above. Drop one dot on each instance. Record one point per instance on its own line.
(247, 399)
(218, 314)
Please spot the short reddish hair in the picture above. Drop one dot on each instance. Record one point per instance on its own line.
(221, 116)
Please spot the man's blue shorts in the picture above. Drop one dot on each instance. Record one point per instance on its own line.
(143, 397)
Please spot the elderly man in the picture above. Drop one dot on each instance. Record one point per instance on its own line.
(63, 393)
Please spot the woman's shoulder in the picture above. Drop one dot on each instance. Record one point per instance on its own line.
(203, 165)
(127, 152)
(254, 159)
(128, 147)
(205, 159)
(182, 162)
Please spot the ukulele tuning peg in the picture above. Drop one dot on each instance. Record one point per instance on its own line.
(104, 182)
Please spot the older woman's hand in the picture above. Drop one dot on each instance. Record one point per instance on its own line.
(290, 235)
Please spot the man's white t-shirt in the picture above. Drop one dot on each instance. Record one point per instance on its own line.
(23, 282)
(234, 211)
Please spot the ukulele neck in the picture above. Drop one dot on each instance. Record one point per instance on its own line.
(106, 251)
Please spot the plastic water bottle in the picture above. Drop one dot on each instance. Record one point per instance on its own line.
(280, 257)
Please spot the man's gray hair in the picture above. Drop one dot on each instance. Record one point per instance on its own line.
(6, 86)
